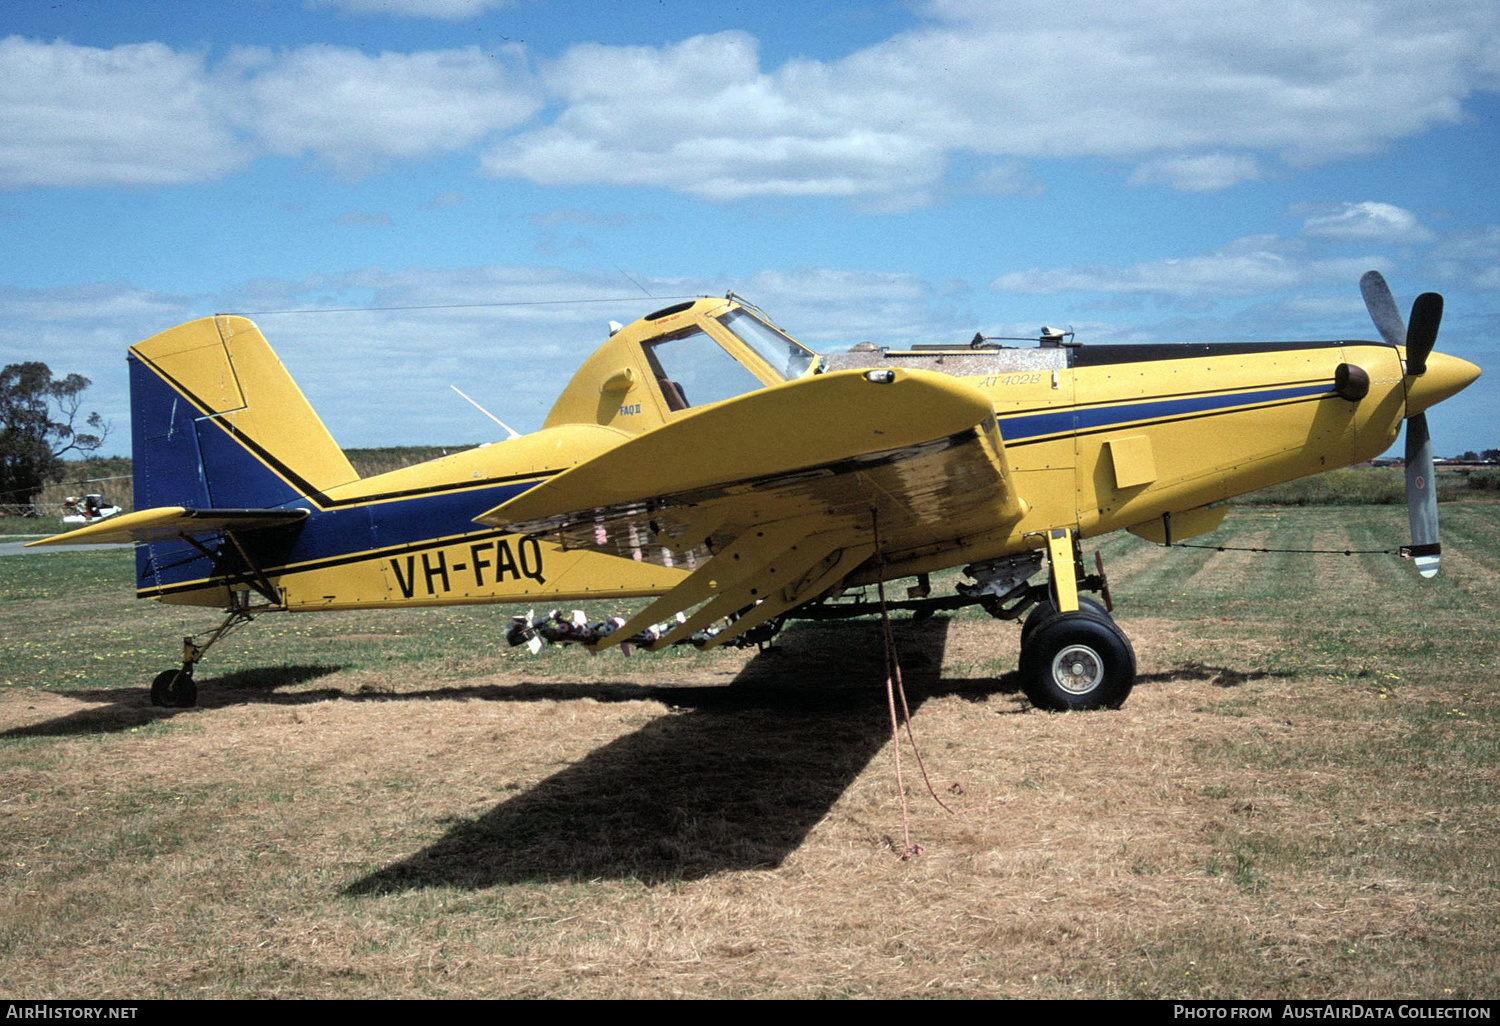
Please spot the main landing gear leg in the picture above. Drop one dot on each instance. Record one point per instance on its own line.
(1073, 656)
(176, 688)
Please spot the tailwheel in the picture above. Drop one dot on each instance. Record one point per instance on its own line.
(1077, 660)
(174, 689)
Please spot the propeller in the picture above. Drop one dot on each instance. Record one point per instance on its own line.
(1418, 336)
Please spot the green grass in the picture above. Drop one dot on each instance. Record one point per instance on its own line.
(14, 528)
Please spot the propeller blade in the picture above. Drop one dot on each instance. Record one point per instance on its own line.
(1382, 307)
(1421, 335)
(1421, 497)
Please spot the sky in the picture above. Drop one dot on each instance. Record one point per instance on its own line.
(412, 194)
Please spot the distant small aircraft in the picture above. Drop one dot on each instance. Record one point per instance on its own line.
(90, 509)
(703, 457)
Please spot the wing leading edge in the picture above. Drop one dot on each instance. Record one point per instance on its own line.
(773, 498)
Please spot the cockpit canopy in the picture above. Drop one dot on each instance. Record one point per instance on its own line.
(693, 368)
(679, 358)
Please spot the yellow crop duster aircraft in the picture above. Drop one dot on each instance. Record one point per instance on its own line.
(703, 457)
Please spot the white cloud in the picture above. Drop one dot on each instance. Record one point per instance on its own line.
(574, 216)
(511, 337)
(1192, 96)
(354, 111)
(1005, 178)
(698, 116)
(85, 329)
(516, 359)
(363, 219)
(1198, 96)
(1471, 258)
(143, 114)
(1368, 221)
(134, 115)
(836, 308)
(1248, 268)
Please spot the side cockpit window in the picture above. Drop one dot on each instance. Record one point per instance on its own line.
(693, 370)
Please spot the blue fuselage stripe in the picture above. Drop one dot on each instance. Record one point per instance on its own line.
(1038, 425)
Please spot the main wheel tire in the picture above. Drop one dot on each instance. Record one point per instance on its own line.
(1077, 661)
(1045, 611)
(174, 689)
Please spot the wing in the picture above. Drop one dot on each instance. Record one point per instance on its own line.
(772, 498)
(170, 522)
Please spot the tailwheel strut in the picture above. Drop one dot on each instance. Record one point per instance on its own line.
(1073, 655)
(176, 688)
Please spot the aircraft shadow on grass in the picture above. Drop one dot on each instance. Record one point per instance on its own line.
(733, 780)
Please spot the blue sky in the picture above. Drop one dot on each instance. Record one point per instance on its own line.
(896, 172)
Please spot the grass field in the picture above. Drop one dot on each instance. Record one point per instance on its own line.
(1299, 799)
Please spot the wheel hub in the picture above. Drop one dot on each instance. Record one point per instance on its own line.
(1078, 669)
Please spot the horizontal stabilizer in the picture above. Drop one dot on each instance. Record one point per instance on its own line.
(167, 522)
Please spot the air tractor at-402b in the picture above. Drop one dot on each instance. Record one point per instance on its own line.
(704, 459)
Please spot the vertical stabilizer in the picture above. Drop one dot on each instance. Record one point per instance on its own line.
(218, 422)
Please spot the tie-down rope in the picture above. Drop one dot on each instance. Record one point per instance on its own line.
(893, 688)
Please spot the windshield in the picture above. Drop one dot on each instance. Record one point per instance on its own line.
(786, 357)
